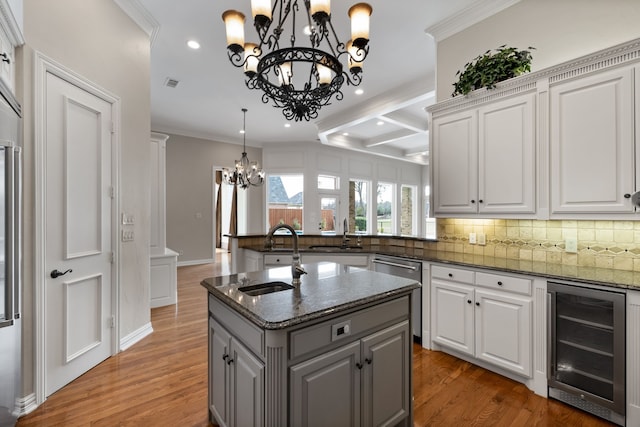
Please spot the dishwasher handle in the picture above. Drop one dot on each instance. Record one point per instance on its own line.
(395, 264)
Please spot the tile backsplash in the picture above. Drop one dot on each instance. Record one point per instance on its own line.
(606, 244)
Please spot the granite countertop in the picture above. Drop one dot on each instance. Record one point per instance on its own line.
(327, 288)
(580, 274)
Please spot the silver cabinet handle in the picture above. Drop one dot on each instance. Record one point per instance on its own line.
(395, 264)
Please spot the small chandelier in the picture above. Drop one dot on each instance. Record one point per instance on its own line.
(246, 173)
(300, 79)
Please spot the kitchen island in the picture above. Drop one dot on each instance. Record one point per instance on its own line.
(336, 350)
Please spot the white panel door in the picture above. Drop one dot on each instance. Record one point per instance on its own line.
(506, 164)
(503, 331)
(78, 314)
(592, 143)
(452, 320)
(455, 163)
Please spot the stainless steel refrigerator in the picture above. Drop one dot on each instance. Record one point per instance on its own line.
(10, 257)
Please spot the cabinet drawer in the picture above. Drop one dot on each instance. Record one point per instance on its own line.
(506, 283)
(352, 326)
(275, 259)
(451, 273)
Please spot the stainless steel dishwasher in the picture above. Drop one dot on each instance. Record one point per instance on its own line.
(409, 269)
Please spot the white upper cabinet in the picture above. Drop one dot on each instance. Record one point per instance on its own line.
(11, 20)
(484, 159)
(455, 159)
(592, 143)
(559, 143)
(506, 167)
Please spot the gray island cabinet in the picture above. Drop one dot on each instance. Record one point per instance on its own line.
(335, 351)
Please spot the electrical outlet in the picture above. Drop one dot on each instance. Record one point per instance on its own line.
(571, 245)
(472, 238)
(482, 239)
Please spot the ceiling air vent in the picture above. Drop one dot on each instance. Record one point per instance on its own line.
(171, 82)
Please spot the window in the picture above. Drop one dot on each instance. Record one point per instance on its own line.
(408, 210)
(327, 182)
(329, 213)
(385, 222)
(285, 200)
(358, 206)
(429, 223)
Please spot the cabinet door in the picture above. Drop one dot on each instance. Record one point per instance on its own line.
(247, 387)
(452, 315)
(219, 385)
(386, 366)
(592, 146)
(506, 156)
(325, 391)
(455, 163)
(503, 331)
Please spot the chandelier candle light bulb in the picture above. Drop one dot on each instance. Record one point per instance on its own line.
(261, 11)
(320, 9)
(359, 14)
(319, 74)
(251, 59)
(234, 23)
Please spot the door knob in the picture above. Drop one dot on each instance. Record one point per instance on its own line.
(55, 273)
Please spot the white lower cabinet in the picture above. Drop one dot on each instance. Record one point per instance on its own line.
(364, 383)
(236, 380)
(471, 318)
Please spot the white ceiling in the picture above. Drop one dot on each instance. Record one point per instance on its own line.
(398, 77)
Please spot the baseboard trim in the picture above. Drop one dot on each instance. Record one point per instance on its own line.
(135, 336)
(26, 404)
(195, 262)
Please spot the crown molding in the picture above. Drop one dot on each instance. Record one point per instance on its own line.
(467, 17)
(11, 24)
(141, 16)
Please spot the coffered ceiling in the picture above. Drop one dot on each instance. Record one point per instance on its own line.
(387, 119)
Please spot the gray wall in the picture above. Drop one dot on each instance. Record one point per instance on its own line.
(97, 40)
(560, 30)
(190, 163)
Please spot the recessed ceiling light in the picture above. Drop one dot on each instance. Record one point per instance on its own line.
(359, 91)
(193, 44)
(241, 130)
(287, 125)
(380, 123)
(345, 134)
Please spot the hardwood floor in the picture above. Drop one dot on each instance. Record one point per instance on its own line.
(162, 381)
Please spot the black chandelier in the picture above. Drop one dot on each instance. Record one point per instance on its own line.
(245, 173)
(298, 79)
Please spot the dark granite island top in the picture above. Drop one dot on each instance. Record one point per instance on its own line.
(327, 289)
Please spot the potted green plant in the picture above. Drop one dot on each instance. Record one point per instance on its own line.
(492, 67)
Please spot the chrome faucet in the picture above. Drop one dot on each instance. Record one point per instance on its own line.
(296, 267)
(345, 230)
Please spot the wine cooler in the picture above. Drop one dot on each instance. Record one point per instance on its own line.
(586, 366)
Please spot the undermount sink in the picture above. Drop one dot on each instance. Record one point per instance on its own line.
(265, 288)
(334, 247)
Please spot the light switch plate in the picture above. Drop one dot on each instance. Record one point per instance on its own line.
(472, 238)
